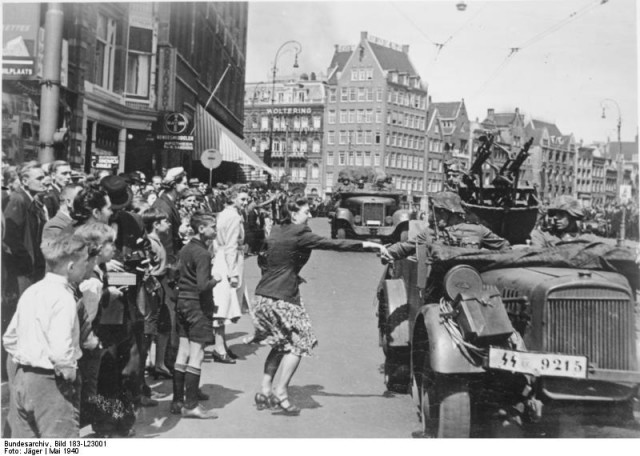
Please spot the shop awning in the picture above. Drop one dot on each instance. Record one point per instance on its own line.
(211, 134)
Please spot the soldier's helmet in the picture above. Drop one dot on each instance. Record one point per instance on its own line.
(448, 201)
(568, 204)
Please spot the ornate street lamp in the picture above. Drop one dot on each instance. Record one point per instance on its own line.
(619, 161)
(297, 47)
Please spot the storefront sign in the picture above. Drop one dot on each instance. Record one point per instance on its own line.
(175, 128)
(20, 24)
(105, 161)
(289, 111)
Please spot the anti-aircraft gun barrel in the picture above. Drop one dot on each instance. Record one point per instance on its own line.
(482, 155)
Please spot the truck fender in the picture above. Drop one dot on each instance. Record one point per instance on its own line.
(344, 214)
(397, 312)
(444, 355)
(401, 215)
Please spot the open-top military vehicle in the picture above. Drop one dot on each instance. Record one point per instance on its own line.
(369, 211)
(478, 333)
(482, 337)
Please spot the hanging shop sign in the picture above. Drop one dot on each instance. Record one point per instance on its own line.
(175, 132)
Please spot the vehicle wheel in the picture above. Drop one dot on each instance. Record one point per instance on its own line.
(446, 408)
(397, 372)
(341, 233)
(404, 235)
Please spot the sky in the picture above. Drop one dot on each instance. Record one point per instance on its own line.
(573, 57)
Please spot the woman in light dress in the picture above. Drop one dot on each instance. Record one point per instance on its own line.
(228, 263)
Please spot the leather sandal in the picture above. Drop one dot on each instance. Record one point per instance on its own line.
(224, 359)
(276, 403)
(262, 401)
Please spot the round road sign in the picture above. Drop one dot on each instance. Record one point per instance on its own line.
(211, 158)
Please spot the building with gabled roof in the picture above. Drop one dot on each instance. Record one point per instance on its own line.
(376, 114)
(510, 130)
(454, 120)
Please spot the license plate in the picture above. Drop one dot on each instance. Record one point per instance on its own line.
(374, 223)
(538, 364)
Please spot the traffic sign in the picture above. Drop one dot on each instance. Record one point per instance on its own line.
(211, 158)
(625, 193)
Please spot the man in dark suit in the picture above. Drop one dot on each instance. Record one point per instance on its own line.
(60, 173)
(25, 218)
(62, 220)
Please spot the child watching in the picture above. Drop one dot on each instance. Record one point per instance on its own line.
(43, 339)
(157, 320)
(195, 317)
(100, 238)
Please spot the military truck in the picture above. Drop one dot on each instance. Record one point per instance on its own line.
(369, 213)
(482, 337)
(475, 333)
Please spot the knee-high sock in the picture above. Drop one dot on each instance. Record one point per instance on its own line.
(191, 382)
(178, 382)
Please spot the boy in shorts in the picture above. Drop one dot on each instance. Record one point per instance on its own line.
(194, 317)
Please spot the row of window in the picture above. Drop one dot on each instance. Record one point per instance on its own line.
(412, 100)
(287, 123)
(356, 94)
(406, 120)
(355, 116)
(297, 173)
(361, 74)
(353, 158)
(354, 137)
(280, 145)
(404, 161)
(405, 141)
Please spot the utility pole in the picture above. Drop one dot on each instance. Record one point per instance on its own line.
(50, 84)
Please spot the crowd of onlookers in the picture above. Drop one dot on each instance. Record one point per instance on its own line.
(93, 270)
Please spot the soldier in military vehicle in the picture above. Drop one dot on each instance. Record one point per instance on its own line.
(562, 215)
(449, 228)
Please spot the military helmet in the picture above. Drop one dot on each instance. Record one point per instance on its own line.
(448, 201)
(568, 204)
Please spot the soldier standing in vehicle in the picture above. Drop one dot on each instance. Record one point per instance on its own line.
(450, 228)
(563, 215)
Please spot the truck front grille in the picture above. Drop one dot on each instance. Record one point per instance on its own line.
(373, 212)
(594, 322)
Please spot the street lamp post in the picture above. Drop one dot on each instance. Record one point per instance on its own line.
(298, 48)
(619, 160)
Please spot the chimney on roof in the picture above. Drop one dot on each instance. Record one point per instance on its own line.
(337, 46)
(517, 110)
(491, 113)
(364, 35)
(405, 48)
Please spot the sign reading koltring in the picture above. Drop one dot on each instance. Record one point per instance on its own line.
(175, 129)
(289, 111)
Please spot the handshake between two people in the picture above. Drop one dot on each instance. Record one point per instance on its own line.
(383, 253)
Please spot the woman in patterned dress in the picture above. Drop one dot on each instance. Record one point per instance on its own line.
(279, 316)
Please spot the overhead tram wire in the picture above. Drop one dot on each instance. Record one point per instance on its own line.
(514, 50)
(439, 46)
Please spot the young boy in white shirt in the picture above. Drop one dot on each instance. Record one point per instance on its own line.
(43, 339)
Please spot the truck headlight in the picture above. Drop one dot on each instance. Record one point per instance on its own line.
(388, 220)
(462, 279)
